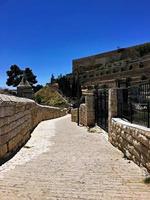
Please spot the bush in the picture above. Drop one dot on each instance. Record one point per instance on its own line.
(130, 67)
(141, 65)
(123, 69)
(38, 99)
(143, 77)
(144, 49)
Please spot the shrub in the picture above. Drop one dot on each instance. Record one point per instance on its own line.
(141, 65)
(38, 99)
(144, 49)
(143, 77)
(130, 67)
(123, 69)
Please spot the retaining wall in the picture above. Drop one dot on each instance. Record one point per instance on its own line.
(18, 117)
(133, 140)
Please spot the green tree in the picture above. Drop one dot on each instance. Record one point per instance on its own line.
(74, 87)
(15, 75)
(64, 85)
(70, 88)
(31, 78)
(37, 88)
(52, 79)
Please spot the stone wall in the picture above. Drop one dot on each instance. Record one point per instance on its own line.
(112, 105)
(74, 115)
(133, 140)
(105, 68)
(18, 117)
(86, 111)
(82, 115)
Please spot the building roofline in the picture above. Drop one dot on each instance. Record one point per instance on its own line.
(107, 53)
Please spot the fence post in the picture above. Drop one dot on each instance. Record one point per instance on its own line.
(78, 117)
(96, 104)
(120, 102)
(90, 106)
(131, 117)
(112, 106)
(148, 110)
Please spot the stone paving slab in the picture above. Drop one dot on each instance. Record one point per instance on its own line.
(64, 162)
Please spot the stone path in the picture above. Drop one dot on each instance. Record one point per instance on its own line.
(65, 162)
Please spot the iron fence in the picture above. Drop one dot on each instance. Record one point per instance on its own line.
(134, 104)
(101, 108)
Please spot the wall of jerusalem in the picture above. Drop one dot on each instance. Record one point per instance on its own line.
(18, 117)
(104, 69)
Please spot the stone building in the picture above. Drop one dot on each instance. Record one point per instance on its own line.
(24, 89)
(115, 67)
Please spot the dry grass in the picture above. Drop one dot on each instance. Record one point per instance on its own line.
(49, 96)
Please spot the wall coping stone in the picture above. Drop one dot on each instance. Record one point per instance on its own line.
(10, 98)
(127, 123)
(13, 99)
(45, 106)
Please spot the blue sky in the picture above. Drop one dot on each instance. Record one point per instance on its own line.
(47, 34)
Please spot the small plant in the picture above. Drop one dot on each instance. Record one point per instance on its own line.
(91, 75)
(123, 69)
(130, 67)
(147, 180)
(143, 77)
(114, 70)
(144, 49)
(38, 99)
(104, 86)
(128, 79)
(108, 71)
(141, 65)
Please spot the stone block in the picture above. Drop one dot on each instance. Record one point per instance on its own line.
(6, 111)
(144, 140)
(147, 134)
(19, 108)
(143, 149)
(136, 154)
(3, 150)
(148, 166)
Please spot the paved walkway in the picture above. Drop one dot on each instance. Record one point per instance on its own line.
(65, 162)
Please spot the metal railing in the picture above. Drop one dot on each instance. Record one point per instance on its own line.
(101, 108)
(134, 104)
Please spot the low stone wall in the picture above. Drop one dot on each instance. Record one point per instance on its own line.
(74, 115)
(82, 115)
(18, 117)
(86, 111)
(133, 140)
(83, 118)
